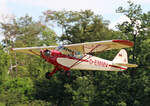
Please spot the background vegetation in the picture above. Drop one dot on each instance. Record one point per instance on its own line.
(22, 81)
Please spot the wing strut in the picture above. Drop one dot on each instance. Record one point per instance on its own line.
(34, 52)
(78, 62)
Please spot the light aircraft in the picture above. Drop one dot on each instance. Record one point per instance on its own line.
(77, 56)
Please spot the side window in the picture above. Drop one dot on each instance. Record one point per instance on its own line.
(78, 55)
(60, 48)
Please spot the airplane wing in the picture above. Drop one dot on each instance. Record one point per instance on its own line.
(98, 46)
(33, 50)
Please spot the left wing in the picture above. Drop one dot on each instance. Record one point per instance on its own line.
(98, 46)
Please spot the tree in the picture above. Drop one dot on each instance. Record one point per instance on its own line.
(137, 30)
(133, 29)
(79, 27)
(25, 32)
(4, 64)
(16, 91)
(82, 90)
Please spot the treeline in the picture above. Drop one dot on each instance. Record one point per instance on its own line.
(22, 76)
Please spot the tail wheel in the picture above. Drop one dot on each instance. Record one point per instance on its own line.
(68, 73)
(47, 75)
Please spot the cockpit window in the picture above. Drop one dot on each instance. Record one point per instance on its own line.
(69, 52)
(59, 48)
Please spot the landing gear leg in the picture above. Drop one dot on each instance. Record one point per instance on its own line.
(48, 75)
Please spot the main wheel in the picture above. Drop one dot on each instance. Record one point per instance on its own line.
(47, 75)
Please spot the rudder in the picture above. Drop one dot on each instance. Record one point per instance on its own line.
(121, 57)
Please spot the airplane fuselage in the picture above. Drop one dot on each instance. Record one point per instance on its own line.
(87, 62)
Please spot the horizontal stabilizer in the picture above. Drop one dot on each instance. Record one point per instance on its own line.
(124, 64)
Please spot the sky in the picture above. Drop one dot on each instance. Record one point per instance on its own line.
(35, 8)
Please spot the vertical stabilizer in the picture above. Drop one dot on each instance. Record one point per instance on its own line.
(121, 57)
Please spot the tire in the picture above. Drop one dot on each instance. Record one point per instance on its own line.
(47, 76)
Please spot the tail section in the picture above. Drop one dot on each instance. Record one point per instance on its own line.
(121, 57)
(121, 60)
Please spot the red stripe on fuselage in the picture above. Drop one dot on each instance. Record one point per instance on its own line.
(118, 67)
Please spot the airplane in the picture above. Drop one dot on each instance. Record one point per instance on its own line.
(77, 56)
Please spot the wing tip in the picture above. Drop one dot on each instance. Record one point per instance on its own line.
(124, 42)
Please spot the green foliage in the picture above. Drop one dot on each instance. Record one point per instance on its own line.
(137, 30)
(17, 90)
(4, 64)
(80, 26)
(50, 91)
(82, 90)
